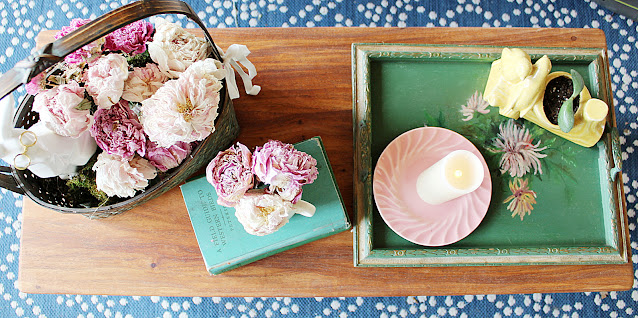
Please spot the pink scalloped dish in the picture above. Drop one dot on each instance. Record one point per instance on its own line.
(395, 193)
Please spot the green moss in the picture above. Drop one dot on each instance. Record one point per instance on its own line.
(139, 60)
(84, 182)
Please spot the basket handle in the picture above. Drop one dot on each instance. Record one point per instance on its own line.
(55, 51)
(7, 181)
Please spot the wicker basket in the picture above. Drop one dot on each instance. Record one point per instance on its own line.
(50, 192)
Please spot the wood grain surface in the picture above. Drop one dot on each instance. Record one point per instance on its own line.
(306, 91)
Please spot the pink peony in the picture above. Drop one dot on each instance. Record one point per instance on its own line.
(105, 79)
(262, 213)
(130, 39)
(284, 168)
(143, 82)
(58, 109)
(36, 84)
(167, 158)
(119, 177)
(184, 109)
(118, 132)
(85, 52)
(230, 173)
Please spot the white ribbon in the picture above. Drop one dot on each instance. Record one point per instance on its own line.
(51, 155)
(236, 54)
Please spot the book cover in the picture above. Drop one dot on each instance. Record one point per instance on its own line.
(226, 245)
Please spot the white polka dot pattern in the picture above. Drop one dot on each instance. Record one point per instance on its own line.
(22, 20)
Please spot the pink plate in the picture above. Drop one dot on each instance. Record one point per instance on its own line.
(394, 188)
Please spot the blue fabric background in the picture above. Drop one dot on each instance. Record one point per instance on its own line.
(21, 20)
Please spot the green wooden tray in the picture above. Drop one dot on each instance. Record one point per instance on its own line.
(578, 212)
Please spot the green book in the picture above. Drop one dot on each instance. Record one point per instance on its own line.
(226, 245)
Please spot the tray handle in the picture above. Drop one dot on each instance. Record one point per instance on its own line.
(615, 170)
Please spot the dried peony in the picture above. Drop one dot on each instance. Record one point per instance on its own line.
(230, 173)
(84, 53)
(284, 168)
(261, 213)
(58, 109)
(130, 39)
(118, 177)
(184, 109)
(143, 82)
(174, 49)
(118, 132)
(105, 79)
(167, 158)
(36, 84)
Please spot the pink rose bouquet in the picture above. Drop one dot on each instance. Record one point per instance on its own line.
(234, 173)
(146, 96)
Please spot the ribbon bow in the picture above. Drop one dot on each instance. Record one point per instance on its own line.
(236, 54)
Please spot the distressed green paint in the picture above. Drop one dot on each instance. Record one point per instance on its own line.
(406, 87)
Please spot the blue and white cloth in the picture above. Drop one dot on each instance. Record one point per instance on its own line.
(22, 20)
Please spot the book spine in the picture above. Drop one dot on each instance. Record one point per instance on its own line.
(257, 255)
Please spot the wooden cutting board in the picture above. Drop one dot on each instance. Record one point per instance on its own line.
(305, 74)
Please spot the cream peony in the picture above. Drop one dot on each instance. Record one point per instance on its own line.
(184, 109)
(143, 82)
(262, 214)
(105, 79)
(118, 177)
(174, 49)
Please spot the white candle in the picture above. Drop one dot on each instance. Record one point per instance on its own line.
(457, 174)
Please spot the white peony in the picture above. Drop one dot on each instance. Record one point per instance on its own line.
(174, 49)
(118, 177)
(143, 82)
(262, 214)
(184, 109)
(105, 79)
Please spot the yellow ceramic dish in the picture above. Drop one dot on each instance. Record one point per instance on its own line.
(517, 87)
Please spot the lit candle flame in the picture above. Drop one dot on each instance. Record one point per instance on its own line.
(458, 173)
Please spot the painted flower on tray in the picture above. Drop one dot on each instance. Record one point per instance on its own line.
(143, 82)
(184, 109)
(475, 103)
(167, 158)
(84, 53)
(119, 177)
(262, 213)
(522, 198)
(174, 49)
(284, 168)
(231, 175)
(105, 79)
(520, 154)
(118, 131)
(130, 39)
(58, 109)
